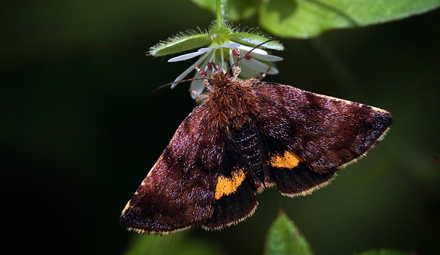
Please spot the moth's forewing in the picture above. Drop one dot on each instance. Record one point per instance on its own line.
(179, 190)
(325, 132)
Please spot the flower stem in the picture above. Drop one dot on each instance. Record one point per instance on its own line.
(220, 5)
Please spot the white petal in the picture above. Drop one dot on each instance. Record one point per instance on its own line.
(212, 58)
(254, 67)
(182, 75)
(232, 60)
(187, 71)
(255, 50)
(196, 87)
(270, 58)
(254, 64)
(203, 50)
(204, 64)
(231, 45)
(273, 71)
(185, 56)
(260, 54)
(248, 70)
(253, 70)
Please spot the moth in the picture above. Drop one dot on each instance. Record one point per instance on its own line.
(245, 136)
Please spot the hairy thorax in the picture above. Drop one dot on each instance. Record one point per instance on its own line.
(230, 101)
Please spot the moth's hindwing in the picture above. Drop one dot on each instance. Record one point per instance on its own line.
(234, 194)
(291, 174)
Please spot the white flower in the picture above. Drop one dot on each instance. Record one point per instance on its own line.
(224, 55)
(222, 44)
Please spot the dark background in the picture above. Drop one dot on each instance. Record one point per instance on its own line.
(79, 129)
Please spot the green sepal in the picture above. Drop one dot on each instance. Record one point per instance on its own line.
(179, 43)
(251, 39)
(221, 34)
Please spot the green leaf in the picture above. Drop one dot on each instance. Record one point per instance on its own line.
(284, 238)
(383, 252)
(307, 18)
(176, 243)
(179, 43)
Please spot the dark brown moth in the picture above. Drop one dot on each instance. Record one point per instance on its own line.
(245, 136)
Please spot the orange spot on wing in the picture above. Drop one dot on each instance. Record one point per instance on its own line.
(288, 160)
(226, 186)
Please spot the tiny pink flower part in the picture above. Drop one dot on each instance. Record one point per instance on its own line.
(203, 72)
(247, 57)
(235, 52)
(209, 66)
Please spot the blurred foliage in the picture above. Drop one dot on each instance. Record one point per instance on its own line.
(79, 129)
(383, 252)
(176, 243)
(284, 238)
(306, 18)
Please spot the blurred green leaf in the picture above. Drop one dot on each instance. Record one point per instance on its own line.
(383, 252)
(206, 4)
(284, 238)
(306, 18)
(235, 10)
(176, 243)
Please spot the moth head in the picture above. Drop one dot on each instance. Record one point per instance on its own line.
(219, 78)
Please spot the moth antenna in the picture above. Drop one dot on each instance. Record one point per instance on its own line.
(261, 76)
(200, 71)
(213, 66)
(175, 82)
(237, 53)
(245, 55)
(237, 71)
(194, 92)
